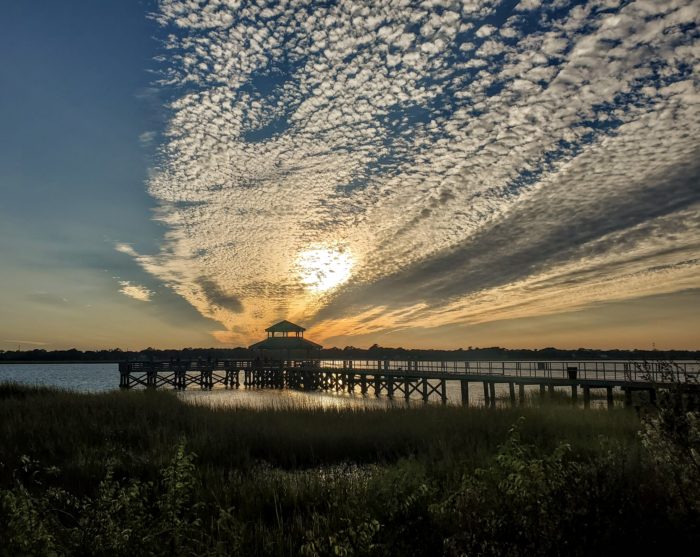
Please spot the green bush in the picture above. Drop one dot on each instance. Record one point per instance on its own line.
(670, 433)
(134, 518)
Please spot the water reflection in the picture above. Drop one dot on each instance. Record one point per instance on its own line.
(284, 399)
(105, 377)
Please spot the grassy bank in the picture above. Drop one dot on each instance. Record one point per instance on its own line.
(143, 473)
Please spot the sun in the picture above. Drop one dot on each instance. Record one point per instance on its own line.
(321, 269)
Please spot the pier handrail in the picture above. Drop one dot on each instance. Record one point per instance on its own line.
(604, 370)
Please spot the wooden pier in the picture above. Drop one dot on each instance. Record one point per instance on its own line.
(417, 379)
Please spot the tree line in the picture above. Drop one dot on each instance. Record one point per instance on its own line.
(375, 352)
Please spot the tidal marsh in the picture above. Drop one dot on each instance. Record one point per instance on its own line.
(145, 473)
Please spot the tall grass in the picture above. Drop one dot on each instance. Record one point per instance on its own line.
(125, 467)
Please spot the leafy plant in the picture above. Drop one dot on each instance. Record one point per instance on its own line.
(355, 539)
(670, 433)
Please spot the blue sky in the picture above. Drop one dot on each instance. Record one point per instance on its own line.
(432, 173)
(76, 97)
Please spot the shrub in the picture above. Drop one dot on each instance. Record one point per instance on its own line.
(670, 433)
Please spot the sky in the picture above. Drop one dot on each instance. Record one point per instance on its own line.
(421, 174)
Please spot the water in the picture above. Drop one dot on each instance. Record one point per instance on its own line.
(84, 378)
(96, 378)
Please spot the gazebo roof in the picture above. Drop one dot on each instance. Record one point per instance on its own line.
(285, 327)
(285, 343)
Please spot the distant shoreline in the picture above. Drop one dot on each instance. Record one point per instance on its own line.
(14, 362)
(436, 359)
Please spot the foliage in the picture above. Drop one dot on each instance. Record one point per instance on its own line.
(25, 531)
(529, 503)
(83, 475)
(355, 538)
(670, 432)
(132, 518)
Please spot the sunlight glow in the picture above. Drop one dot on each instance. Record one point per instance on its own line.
(321, 269)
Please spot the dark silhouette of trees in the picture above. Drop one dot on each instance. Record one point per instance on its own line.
(374, 352)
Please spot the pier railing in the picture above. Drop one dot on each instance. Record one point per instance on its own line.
(604, 370)
(187, 365)
(411, 378)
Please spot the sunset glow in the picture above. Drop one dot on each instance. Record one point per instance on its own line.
(368, 169)
(322, 269)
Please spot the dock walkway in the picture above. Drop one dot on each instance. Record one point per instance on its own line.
(427, 380)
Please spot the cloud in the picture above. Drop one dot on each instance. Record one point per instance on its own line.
(135, 291)
(527, 5)
(126, 249)
(485, 31)
(229, 338)
(217, 297)
(147, 137)
(472, 176)
(30, 342)
(47, 299)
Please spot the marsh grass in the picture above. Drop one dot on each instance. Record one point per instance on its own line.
(81, 430)
(124, 467)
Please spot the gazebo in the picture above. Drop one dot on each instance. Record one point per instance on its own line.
(285, 341)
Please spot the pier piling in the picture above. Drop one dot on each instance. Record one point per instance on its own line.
(464, 386)
(419, 377)
(511, 390)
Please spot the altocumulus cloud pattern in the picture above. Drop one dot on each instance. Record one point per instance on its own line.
(358, 165)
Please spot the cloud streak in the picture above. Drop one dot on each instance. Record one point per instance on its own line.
(135, 291)
(478, 162)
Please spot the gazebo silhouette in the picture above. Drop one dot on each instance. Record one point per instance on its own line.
(285, 341)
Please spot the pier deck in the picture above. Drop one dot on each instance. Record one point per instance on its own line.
(407, 378)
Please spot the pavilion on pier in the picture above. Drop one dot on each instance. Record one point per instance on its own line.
(285, 341)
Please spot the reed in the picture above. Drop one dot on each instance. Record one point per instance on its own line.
(312, 481)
